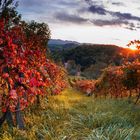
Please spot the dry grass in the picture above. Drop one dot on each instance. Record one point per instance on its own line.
(73, 116)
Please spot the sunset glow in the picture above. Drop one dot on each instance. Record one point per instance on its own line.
(133, 47)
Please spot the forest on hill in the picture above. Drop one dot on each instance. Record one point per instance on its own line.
(91, 58)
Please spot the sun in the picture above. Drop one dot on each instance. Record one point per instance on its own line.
(133, 47)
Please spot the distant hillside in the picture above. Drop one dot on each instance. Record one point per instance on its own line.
(92, 58)
(86, 55)
(57, 44)
(61, 42)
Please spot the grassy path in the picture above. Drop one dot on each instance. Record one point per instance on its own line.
(73, 116)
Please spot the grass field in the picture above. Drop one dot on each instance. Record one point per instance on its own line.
(73, 116)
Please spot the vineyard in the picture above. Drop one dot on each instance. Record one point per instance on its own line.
(39, 99)
(23, 78)
(115, 82)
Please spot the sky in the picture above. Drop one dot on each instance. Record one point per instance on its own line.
(87, 21)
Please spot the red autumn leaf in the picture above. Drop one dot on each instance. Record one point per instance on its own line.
(5, 75)
(13, 94)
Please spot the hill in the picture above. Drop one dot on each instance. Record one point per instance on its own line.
(91, 58)
(58, 44)
(61, 42)
(85, 55)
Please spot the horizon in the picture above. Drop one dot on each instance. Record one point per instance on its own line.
(87, 21)
(92, 43)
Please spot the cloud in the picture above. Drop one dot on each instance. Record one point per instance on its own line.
(70, 18)
(125, 16)
(67, 3)
(94, 12)
(113, 22)
(29, 3)
(116, 18)
(89, 2)
(97, 10)
(118, 3)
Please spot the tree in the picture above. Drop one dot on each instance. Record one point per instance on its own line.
(22, 76)
(41, 30)
(9, 13)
